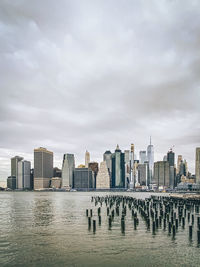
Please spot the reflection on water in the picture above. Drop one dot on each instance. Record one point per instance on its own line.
(51, 229)
(43, 212)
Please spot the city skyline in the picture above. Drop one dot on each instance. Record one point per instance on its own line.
(85, 79)
(58, 161)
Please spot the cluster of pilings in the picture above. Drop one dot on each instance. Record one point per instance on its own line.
(158, 212)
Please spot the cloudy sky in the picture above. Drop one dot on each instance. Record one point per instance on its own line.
(77, 75)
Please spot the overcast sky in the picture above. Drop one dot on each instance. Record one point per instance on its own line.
(77, 75)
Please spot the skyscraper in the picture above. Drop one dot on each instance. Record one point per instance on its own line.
(118, 169)
(14, 167)
(127, 160)
(162, 174)
(68, 168)
(107, 157)
(24, 173)
(143, 174)
(87, 158)
(197, 165)
(103, 178)
(83, 178)
(171, 160)
(150, 158)
(142, 156)
(180, 158)
(43, 168)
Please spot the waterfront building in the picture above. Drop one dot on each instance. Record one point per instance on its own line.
(118, 169)
(43, 168)
(171, 160)
(32, 179)
(83, 179)
(94, 166)
(143, 174)
(87, 159)
(142, 156)
(103, 178)
(132, 157)
(11, 182)
(56, 182)
(150, 159)
(14, 167)
(24, 174)
(162, 174)
(197, 165)
(68, 168)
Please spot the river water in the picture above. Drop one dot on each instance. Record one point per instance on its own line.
(51, 229)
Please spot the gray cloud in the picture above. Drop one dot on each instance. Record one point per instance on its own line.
(79, 75)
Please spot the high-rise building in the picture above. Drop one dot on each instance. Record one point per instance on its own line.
(14, 167)
(24, 174)
(87, 159)
(43, 168)
(103, 178)
(171, 160)
(83, 178)
(180, 158)
(68, 168)
(150, 159)
(162, 174)
(143, 156)
(143, 174)
(107, 157)
(132, 157)
(11, 182)
(197, 165)
(118, 169)
(94, 166)
(127, 159)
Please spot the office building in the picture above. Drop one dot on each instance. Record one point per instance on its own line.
(171, 160)
(94, 166)
(150, 159)
(143, 174)
(180, 159)
(107, 157)
(83, 179)
(24, 174)
(87, 159)
(197, 165)
(162, 174)
(11, 182)
(14, 167)
(103, 178)
(118, 169)
(142, 156)
(43, 168)
(68, 168)
(127, 160)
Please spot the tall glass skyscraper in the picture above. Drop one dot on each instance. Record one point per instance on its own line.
(150, 158)
(68, 168)
(118, 169)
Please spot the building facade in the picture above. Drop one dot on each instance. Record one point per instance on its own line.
(68, 168)
(171, 160)
(14, 167)
(83, 179)
(43, 168)
(103, 177)
(87, 159)
(118, 169)
(150, 159)
(143, 174)
(197, 165)
(142, 156)
(11, 182)
(162, 174)
(24, 174)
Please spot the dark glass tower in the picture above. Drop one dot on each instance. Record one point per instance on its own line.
(118, 169)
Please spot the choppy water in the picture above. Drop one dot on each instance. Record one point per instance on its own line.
(51, 229)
